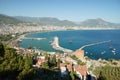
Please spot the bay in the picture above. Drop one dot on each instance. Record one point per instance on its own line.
(78, 39)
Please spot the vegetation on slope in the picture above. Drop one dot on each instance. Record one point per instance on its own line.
(107, 73)
(8, 20)
(14, 66)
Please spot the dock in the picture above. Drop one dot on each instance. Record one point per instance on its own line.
(34, 38)
(55, 45)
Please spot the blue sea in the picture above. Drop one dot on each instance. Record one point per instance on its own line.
(78, 39)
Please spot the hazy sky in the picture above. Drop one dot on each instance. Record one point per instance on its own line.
(74, 10)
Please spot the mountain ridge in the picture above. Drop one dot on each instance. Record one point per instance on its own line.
(5, 19)
(98, 22)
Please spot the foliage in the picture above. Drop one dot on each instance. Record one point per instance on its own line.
(90, 68)
(74, 57)
(52, 62)
(5, 37)
(78, 60)
(58, 62)
(45, 65)
(107, 73)
(1, 49)
(72, 75)
(14, 66)
(4, 19)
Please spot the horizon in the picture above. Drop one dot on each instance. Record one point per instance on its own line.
(72, 10)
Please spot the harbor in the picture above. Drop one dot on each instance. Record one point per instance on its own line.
(104, 46)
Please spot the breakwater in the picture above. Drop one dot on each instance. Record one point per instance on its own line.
(55, 45)
(98, 43)
(34, 38)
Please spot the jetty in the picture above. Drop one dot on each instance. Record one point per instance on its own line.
(98, 43)
(24, 37)
(55, 45)
(34, 38)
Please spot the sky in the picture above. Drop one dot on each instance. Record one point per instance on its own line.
(73, 10)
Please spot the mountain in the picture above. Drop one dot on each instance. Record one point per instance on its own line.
(89, 23)
(46, 21)
(4, 19)
(97, 23)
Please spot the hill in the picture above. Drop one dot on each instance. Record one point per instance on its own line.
(4, 19)
(89, 23)
(46, 21)
(98, 23)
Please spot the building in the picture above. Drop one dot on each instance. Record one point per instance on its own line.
(39, 62)
(81, 71)
(80, 55)
(63, 69)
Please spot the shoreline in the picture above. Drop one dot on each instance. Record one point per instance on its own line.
(49, 31)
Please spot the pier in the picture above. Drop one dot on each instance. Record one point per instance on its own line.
(23, 37)
(34, 38)
(55, 45)
(98, 43)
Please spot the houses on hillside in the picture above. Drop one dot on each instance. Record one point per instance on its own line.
(67, 64)
(81, 71)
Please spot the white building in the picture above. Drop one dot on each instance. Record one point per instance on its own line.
(63, 69)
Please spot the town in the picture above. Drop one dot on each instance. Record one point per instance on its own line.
(72, 63)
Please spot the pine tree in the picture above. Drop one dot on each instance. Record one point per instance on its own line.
(2, 51)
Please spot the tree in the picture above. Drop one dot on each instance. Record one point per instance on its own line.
(72, 75)
(101, 77)
(13, 66)
(26, 74)
(58, 62)
(54, 60)
(79, 62)
(45, 65)
(2, 51)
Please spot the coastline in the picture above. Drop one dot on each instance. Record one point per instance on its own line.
(55, 48)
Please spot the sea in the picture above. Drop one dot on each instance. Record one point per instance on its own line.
(74, 39)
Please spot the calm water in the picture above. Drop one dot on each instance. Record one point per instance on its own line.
(80, 38)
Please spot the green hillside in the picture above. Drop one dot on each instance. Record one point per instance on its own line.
(4, 19)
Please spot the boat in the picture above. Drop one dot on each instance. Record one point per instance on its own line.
(114, 49)
(20, 40)
(70, 41)
(50, 42)
(111, 48)
(103, 52)
(86, 52)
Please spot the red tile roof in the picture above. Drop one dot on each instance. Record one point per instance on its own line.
(81, 69)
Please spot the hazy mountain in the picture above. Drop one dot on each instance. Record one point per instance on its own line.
(46, 21)
(100, 23)
(4, 19)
